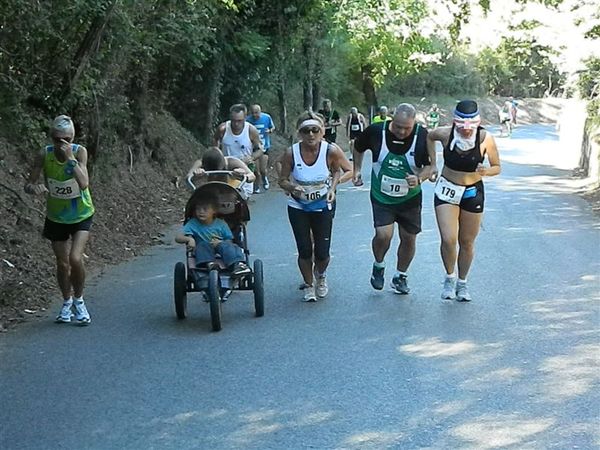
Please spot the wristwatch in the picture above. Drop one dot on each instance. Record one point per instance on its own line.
(72, 163)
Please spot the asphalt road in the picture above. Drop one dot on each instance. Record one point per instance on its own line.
(516, 368)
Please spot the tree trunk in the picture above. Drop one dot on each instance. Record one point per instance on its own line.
(138, 103)
(316, 82)
(368, 86)
(281, 98)
(281, 71)
(307, 88)
(213, 99)
(87, 47)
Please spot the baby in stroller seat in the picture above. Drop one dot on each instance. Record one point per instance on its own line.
(211, 237)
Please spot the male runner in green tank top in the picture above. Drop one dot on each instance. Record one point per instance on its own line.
(69, 212)
(401, 160)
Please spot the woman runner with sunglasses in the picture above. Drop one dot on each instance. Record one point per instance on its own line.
(459, 195)
(310, 171)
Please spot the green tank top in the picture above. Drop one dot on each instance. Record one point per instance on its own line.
(67, 203)
(388, 178)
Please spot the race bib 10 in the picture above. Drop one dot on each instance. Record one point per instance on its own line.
(64, 190)
(394, 187)
(449, 192)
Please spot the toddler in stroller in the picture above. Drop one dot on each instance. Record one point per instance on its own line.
(210, 237)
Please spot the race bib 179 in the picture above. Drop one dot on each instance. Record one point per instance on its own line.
(449, 192)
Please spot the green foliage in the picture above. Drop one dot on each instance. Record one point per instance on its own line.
(456, 75)
(383, 36)
(520, 67)
(112, 63)
(589, 79)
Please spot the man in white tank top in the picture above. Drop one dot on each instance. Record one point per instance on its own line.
(238, 138)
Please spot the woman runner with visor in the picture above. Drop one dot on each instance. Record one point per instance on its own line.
(310, 172)
(459, 194)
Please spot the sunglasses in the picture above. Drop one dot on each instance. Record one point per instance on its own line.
(313, 130)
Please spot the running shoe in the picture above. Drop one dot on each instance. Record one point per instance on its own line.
(377, 280)
(65, 313)
(257, 191)
(400, 285)
(462, 292)
(309, 294)
(240, 268)
(81, 313)
(449, 291)
(322, 288)
(266, 184)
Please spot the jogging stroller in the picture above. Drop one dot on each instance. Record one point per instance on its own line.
(217, 283)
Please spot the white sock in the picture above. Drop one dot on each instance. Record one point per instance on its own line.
(450, 276)
(379, 265)
(68, 300)
(462, 281)
(78, 299)
(398, 273)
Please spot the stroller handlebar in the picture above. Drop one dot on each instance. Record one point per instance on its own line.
(231, 173)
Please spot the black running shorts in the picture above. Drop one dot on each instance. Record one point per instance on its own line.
(62, 231)
(407, 214)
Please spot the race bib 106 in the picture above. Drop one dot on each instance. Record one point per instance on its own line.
(65, 190)
(394, 187)
(449, 192)
(312, 193)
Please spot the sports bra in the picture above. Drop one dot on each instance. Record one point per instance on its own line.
(463, 161)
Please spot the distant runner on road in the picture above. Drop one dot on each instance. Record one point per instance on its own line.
(506, 121)
(433, 117)
(355, 124)
(401, 161)
(265, 126)
(382, 116)
(459, 194)
(310, 172)
(332, 121)
(69, 212)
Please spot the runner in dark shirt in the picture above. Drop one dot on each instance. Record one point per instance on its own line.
(400, 162)
(332, 121)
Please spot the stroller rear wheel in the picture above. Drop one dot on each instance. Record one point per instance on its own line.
(259, 289)
(180, 290)
(214, 299)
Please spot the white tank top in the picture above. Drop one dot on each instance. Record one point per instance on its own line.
(237, 145)
(315, 179)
